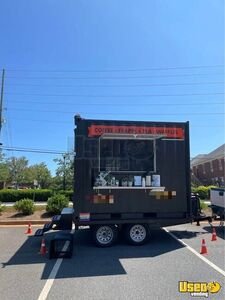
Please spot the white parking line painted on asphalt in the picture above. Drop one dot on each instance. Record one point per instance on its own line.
(196, 253)
(44, 293)
(46, 289)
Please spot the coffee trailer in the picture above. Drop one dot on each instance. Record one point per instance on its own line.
(129, 176)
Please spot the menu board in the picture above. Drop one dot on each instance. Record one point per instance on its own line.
(127, 155)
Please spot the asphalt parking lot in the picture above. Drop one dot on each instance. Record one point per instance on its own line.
(152, 271)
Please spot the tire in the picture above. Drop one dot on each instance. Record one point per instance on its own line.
(104, 235)
(137, 234)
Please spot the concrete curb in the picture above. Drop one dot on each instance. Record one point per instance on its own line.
(24, 222)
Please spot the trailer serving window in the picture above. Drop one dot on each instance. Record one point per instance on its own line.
(127, 153)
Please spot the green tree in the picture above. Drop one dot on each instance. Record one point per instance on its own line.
(17, 170)
(4, 173)
(64, 172)
(41, 173)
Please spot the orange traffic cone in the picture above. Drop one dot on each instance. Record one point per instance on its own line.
(203, 249)
(43, 250)
(29, 230)
(214, 238)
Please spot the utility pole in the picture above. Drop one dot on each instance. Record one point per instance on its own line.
(1, 102)
(64, 172)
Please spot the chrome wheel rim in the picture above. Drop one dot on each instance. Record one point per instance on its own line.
(104, 235)
(138, 233)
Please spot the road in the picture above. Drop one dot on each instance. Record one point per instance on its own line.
(121, 272)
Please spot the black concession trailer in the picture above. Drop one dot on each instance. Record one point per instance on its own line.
(130, 176)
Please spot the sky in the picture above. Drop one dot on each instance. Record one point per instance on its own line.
(153, 60)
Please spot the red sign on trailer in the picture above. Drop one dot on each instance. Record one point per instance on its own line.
(168, 132)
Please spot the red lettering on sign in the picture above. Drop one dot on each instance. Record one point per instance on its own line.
(168, 132)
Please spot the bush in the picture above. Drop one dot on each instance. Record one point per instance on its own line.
(56, 203)
(203, 191)
(25, 206)
(2, 208)
(67, 193)
(203, 205)
(7, 195)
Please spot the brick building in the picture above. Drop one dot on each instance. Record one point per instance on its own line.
(209, 168)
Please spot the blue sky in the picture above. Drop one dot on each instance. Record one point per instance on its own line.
(156, 60)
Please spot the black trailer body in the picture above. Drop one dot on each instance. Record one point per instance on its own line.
(131, 172)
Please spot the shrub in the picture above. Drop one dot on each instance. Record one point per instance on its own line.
(25, 206)
(67, 193)
(203, 191)
(203, 205)
(2, 208)
(56, 203)
(7, 195)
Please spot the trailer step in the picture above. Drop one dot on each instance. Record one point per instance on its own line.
(47, 226)
(54, 224)
(39, 232)
(56, 218)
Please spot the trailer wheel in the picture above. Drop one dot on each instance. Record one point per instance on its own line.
(137, 234)
(104, 235)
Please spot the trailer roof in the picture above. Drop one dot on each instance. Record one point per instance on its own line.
(77, 116)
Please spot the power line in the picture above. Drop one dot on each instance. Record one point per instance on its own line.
(46, 121)
(116, 85)
(68, 122)
(21, 149)
(118, 104)
(116, 77)
(116, 96)
(135, 113)
(43, 151)
(120, 70)
(41, 121)
(205, 126)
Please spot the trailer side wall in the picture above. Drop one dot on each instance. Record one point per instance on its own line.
(171, 163)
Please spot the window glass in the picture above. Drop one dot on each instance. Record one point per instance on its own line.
(127, 155)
